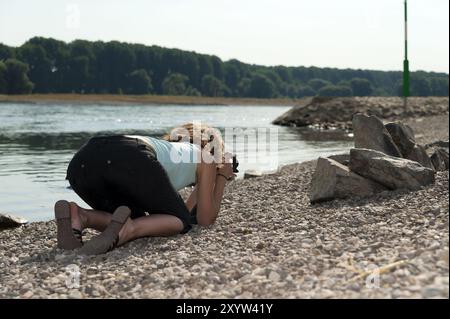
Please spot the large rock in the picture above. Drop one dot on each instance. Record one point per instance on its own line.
(370, 133)
(443, 144)
(390, 171)
(403, 137)
(9, 221)
(438, 152)
(333, 180)
(343, 159)
(440, 159)
(419, 154)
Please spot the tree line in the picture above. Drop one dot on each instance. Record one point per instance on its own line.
(46, 65)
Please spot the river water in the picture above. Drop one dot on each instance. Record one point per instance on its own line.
(37, 142)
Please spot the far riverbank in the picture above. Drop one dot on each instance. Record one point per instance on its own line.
(117, 99)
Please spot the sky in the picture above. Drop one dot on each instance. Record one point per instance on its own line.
(357, 34)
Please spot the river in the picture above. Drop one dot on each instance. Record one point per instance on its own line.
(37, 142)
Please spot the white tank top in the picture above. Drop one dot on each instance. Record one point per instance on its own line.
(179, 159)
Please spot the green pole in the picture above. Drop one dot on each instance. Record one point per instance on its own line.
(406, 78)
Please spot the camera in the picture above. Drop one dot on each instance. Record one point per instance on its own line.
(235, 164)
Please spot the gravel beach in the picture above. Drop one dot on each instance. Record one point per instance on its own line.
(268, 242)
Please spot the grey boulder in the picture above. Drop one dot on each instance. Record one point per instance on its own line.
(343, 159)
(403, 137)
(442, 144)
(333, 180)
(419, 154)
(440, 159)
(390, 171)
(370, 133)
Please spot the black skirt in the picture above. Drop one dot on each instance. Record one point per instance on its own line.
(111, 171)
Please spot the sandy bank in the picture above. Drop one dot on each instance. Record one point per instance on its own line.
(114, 99)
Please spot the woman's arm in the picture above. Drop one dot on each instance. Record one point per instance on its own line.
(210, 188)
(192, 199)
(207, 206)
(219, 187)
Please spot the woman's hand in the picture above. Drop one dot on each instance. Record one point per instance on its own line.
(227, 168)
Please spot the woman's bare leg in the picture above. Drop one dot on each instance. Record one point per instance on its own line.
(155, 225)
(88, 218)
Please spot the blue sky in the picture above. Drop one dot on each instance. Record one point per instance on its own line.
(344, 34)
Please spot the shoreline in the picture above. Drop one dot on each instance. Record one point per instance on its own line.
(268, 242)
(115, 99)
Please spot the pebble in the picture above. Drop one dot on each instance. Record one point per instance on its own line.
(274, 276)
(75, 294)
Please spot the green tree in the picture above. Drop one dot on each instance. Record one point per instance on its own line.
(317, 84)
(139, 82)
(191, 91)
(3, 80)
(6, 52)
(291, 90)
(115, 61)
(16, 77)
(420, 86)
(175, 84)
(361, 87)
(41, 67)
(218, 68)
(261, 87)
(305, 91)
(212, 86)
(439, 86)
(106, 67)
(335, 91)
(243, 88)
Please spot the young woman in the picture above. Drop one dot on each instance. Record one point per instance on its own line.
(131, 183)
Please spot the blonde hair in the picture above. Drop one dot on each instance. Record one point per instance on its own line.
(203, 135)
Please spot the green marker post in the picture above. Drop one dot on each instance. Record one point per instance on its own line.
(406, 76)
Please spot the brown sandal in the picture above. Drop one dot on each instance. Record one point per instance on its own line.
(109, 238)
(68, 237)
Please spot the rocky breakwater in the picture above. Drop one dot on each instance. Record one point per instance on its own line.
(326, 112)
(386, 157)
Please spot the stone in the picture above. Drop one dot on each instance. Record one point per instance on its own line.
(392, 172)
(343, 159)
(333, 180)
(402, 135)
(433, 291)
(370, 133)
(443, 144)
(10, 221)
(419, 154)
(274, 276)
(75, 294)
(252, 174)
(440, 159)
(27, 295)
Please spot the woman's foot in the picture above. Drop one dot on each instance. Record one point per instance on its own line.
(77, 217)
(126, 233)
(110, 237)
(68, 236)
